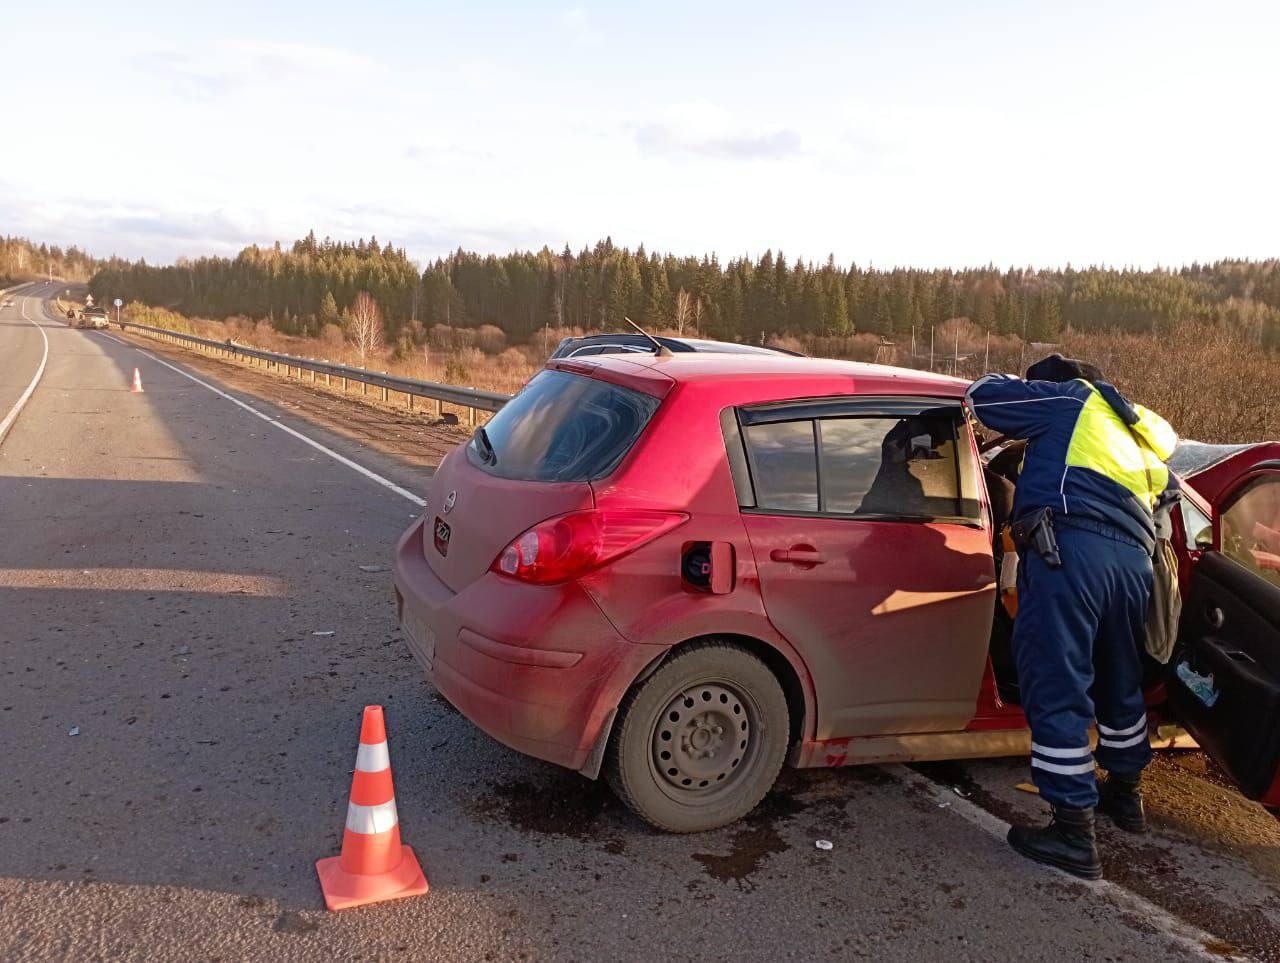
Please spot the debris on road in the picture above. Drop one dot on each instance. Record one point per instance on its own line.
(1028, 787)
(824, 844)
(75, 731)
(373, 568)
(959, 792)
(325, 632)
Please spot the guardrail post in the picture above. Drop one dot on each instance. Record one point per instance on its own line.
(409, 396)
(439, 408)
(385, 396)
(471, 416)
(364, 387)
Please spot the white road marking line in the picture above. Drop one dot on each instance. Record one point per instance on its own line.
(12, 416)
(111, 337)
(1190, 938)
(354, 466)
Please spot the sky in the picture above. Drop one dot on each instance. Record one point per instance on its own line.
(908, 133)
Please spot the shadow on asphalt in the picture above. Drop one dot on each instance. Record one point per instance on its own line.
(215, 729)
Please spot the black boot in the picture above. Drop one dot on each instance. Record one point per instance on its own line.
(1067, 843)
(1119, 798)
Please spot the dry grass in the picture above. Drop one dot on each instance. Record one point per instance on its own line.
(1211, 383)
(464, 365)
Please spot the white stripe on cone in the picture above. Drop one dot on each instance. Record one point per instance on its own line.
(373, 758)
(368, 820)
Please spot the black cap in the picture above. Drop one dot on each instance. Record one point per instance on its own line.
(1057, 368)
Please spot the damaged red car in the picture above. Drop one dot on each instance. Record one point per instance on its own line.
(682, 571)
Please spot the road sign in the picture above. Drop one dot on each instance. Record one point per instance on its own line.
(117, 302)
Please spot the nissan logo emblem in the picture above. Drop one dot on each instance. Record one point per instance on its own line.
(449, 502)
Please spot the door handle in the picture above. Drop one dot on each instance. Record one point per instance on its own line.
(1215, 617)
(798, 555)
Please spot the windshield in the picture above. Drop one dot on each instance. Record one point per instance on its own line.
(562, 427)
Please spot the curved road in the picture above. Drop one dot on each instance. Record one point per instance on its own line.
(187, 636)
(22, 343)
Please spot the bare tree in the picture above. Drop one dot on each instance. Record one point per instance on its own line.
(364, 328)
(684, 309)
(697, 314)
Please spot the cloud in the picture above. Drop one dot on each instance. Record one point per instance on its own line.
(702, 129)
(576, 23)
(131, 230)
(427, 236)
(231, 66)
(214, 228)
(443, 154)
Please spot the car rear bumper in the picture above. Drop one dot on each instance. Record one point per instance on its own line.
(539, 668)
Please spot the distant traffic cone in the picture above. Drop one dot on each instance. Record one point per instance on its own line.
(374, 865)
(137, 382)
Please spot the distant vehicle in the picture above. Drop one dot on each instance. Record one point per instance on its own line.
(594, 344)
(678, 571)
(93, 318)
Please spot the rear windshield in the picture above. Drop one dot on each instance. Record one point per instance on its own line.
(562, 427)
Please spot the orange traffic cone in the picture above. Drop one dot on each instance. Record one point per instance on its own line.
(374, 865)
(137, 382)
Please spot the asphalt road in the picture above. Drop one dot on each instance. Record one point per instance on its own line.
(181, 588)
(22, 348)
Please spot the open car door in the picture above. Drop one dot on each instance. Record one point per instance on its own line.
(1224, 677)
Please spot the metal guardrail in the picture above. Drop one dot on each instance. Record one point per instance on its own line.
(473, 399)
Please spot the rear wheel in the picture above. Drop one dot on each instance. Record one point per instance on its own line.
(699, 742)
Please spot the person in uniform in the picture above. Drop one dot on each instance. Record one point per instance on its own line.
(1092, 476)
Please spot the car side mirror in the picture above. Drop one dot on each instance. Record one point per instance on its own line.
(1204, 538)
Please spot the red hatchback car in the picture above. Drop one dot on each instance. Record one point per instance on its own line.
(682, 571)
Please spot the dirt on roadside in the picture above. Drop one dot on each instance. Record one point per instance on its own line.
(417, 437)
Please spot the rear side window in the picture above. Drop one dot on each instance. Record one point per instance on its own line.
(785, 465)
(890, 466)
(563, 427)
(868, 466)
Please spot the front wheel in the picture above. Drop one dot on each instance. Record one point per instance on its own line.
(698, 743)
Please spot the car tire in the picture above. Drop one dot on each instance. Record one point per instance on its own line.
(699, 742)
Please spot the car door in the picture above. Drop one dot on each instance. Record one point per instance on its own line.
(1224, 677)
(874, 557)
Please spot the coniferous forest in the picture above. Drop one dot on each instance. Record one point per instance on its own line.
(313, 282)
(23, 260)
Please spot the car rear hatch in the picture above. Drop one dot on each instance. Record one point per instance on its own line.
(1212, 468)
(573, 423)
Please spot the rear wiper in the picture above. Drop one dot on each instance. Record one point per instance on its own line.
(485, 446)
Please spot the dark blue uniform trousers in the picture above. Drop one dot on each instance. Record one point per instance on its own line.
(1077, 641)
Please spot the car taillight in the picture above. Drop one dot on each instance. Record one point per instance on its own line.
(572, 545)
